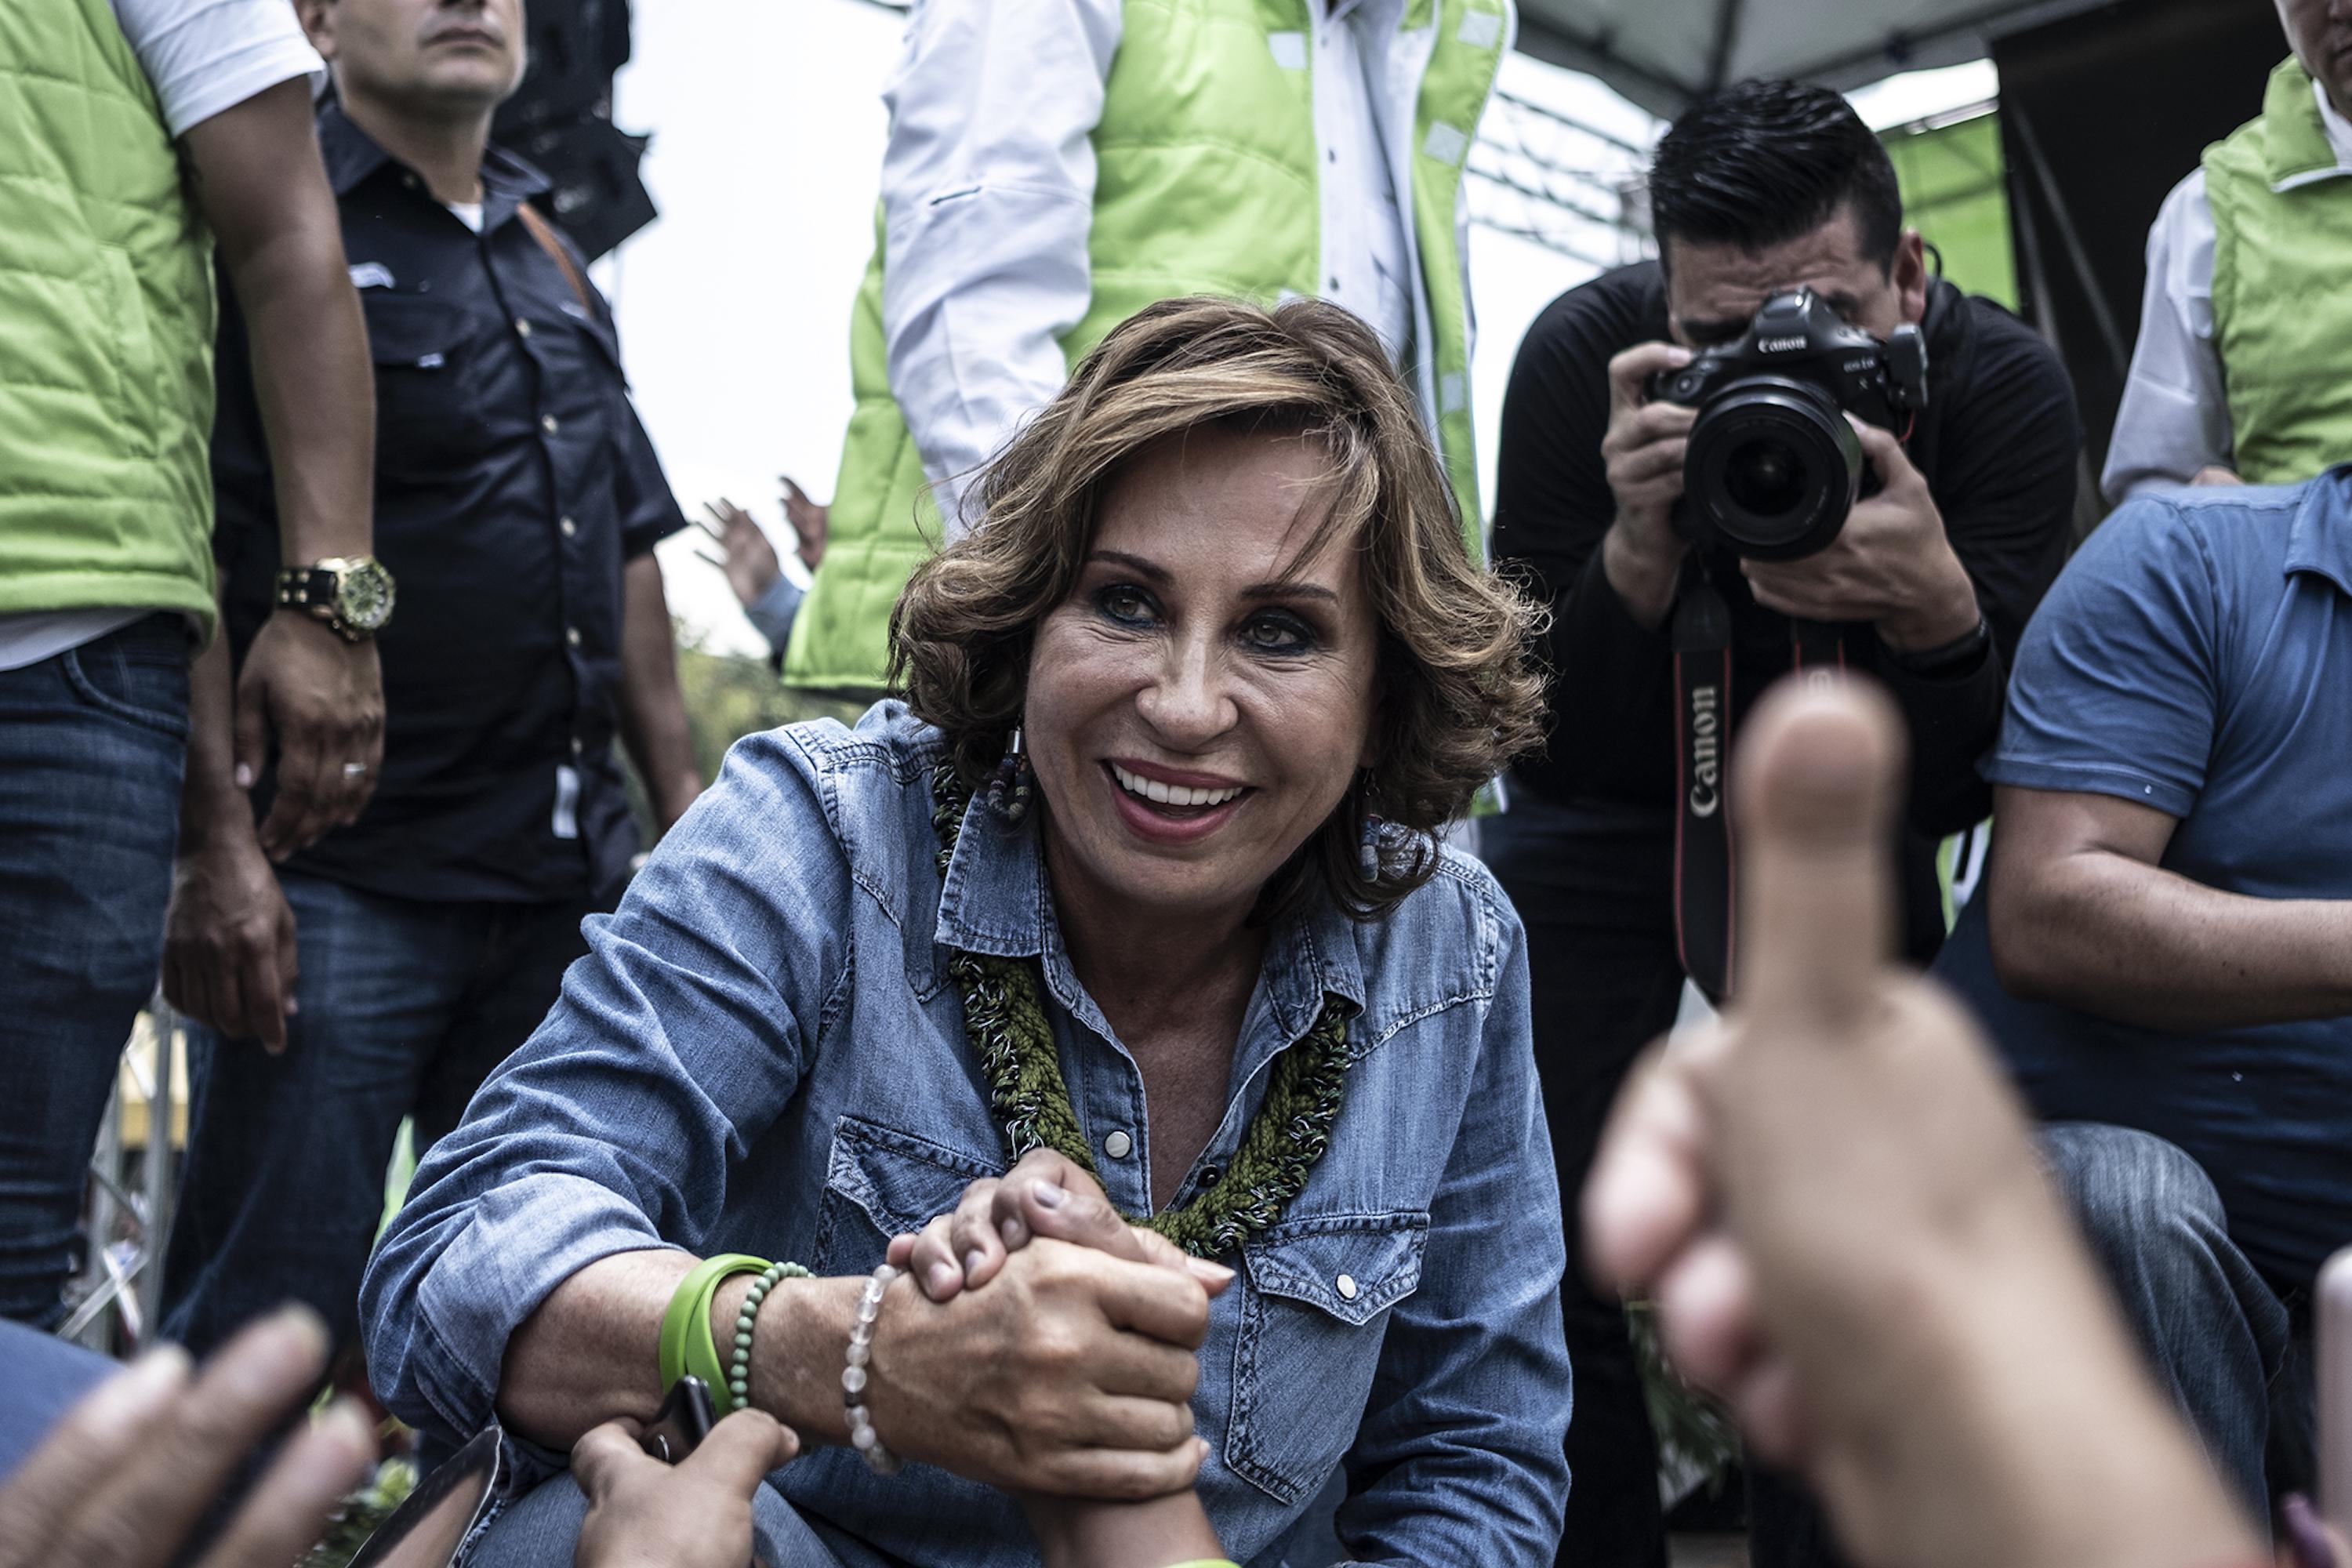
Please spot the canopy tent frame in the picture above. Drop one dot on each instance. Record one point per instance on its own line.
(1667, 80)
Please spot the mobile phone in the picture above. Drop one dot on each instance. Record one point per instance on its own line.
(683, 1421)
(2334, 1332)
(425, 1530)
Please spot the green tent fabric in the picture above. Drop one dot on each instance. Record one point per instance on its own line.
(1955, 192)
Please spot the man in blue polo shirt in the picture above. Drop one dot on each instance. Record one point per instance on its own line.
(2164, 945)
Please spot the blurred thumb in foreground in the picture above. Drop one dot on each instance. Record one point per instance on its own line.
(1834, 1198)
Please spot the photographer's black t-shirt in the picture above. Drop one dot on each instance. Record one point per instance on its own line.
(1998, 445)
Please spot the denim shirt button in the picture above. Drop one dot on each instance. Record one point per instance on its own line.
(1346, 1285)
(1119, 1145)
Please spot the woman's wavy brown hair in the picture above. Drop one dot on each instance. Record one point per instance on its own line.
(1458, 694)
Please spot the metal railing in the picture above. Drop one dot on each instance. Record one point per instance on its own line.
(119, 1296)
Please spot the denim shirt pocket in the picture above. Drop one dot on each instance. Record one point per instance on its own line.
(880, 1183)
(1314, 1305)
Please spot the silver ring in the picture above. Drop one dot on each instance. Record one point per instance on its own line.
(354, 769)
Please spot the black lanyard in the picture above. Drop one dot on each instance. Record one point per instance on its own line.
(1704, 870)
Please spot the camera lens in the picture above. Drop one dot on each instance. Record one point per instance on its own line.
(1773, 469)
(1766, 477)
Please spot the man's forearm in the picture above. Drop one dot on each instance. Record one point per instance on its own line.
(316, 393)
(264, 190)
(210, 800)
(1643, 576)
(2114, 936)
(653, 710)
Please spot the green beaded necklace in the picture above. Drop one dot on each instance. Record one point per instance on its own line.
(1006, 1022)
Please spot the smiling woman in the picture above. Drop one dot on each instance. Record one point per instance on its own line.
(1283, 1175)
(1284, 466)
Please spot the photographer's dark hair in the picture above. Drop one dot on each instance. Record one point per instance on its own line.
(1760, 163)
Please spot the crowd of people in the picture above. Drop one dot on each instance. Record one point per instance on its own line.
(1178, 1080)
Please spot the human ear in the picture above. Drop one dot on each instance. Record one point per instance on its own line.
(318, 19)
(1910, 275)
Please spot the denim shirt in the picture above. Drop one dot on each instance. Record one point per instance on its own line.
(762, 1052)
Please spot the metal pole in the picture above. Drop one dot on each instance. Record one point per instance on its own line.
(160, 1174)
(96, 1327)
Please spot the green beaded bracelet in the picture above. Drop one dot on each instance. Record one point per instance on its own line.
(738, 1368)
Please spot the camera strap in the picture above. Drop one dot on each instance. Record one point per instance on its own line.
(1704, 869)
(1702, 872)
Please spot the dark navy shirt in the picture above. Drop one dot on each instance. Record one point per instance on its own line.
(513, 480)
(2197, 657)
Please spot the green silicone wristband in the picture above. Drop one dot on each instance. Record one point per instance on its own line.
(686, 1343)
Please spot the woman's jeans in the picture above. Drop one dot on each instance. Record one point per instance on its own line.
(405, 1006)
(92, 743)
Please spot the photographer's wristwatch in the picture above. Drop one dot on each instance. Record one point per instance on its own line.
(351, 594)
(1960, 656)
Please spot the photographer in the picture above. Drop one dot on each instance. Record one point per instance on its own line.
(1962, 523)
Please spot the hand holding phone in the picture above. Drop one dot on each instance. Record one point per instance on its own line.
(696, 1513)
(684, 1420)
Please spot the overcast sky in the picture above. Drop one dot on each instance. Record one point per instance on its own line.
(768, 128)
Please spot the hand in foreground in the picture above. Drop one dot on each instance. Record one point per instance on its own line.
(2216, 474)
(1891, 564)
(809, 522)
(748, 560)
(1043, 1194)
(1833, 1199)
(133, 1468)
(322, 698)
(643, 1513)
(228, 938)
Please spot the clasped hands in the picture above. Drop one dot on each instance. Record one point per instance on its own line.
(1084, 1327)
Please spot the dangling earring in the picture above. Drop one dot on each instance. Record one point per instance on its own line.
(1368, 842)
(1009, 790)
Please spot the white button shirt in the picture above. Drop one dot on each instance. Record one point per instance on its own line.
(988, 196)
(2174, 418)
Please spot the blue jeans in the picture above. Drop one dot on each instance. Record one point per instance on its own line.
(403, 1008)
(46, 1377)
(2218, 1337)
(92, 743)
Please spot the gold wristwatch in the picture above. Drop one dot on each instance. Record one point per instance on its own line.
(353, 593)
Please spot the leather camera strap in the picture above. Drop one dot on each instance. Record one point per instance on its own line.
(544, 233)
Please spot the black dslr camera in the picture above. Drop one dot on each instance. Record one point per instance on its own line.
(1772, 467)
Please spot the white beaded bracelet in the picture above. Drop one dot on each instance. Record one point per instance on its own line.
(861, 1437)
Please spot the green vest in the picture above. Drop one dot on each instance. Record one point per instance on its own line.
(2282, 309)
(106, 312)
(1205, 184)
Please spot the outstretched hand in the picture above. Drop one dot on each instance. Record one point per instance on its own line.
(1045, 1195)
(749, 562)
(128, 1475)
(1833, 1199)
